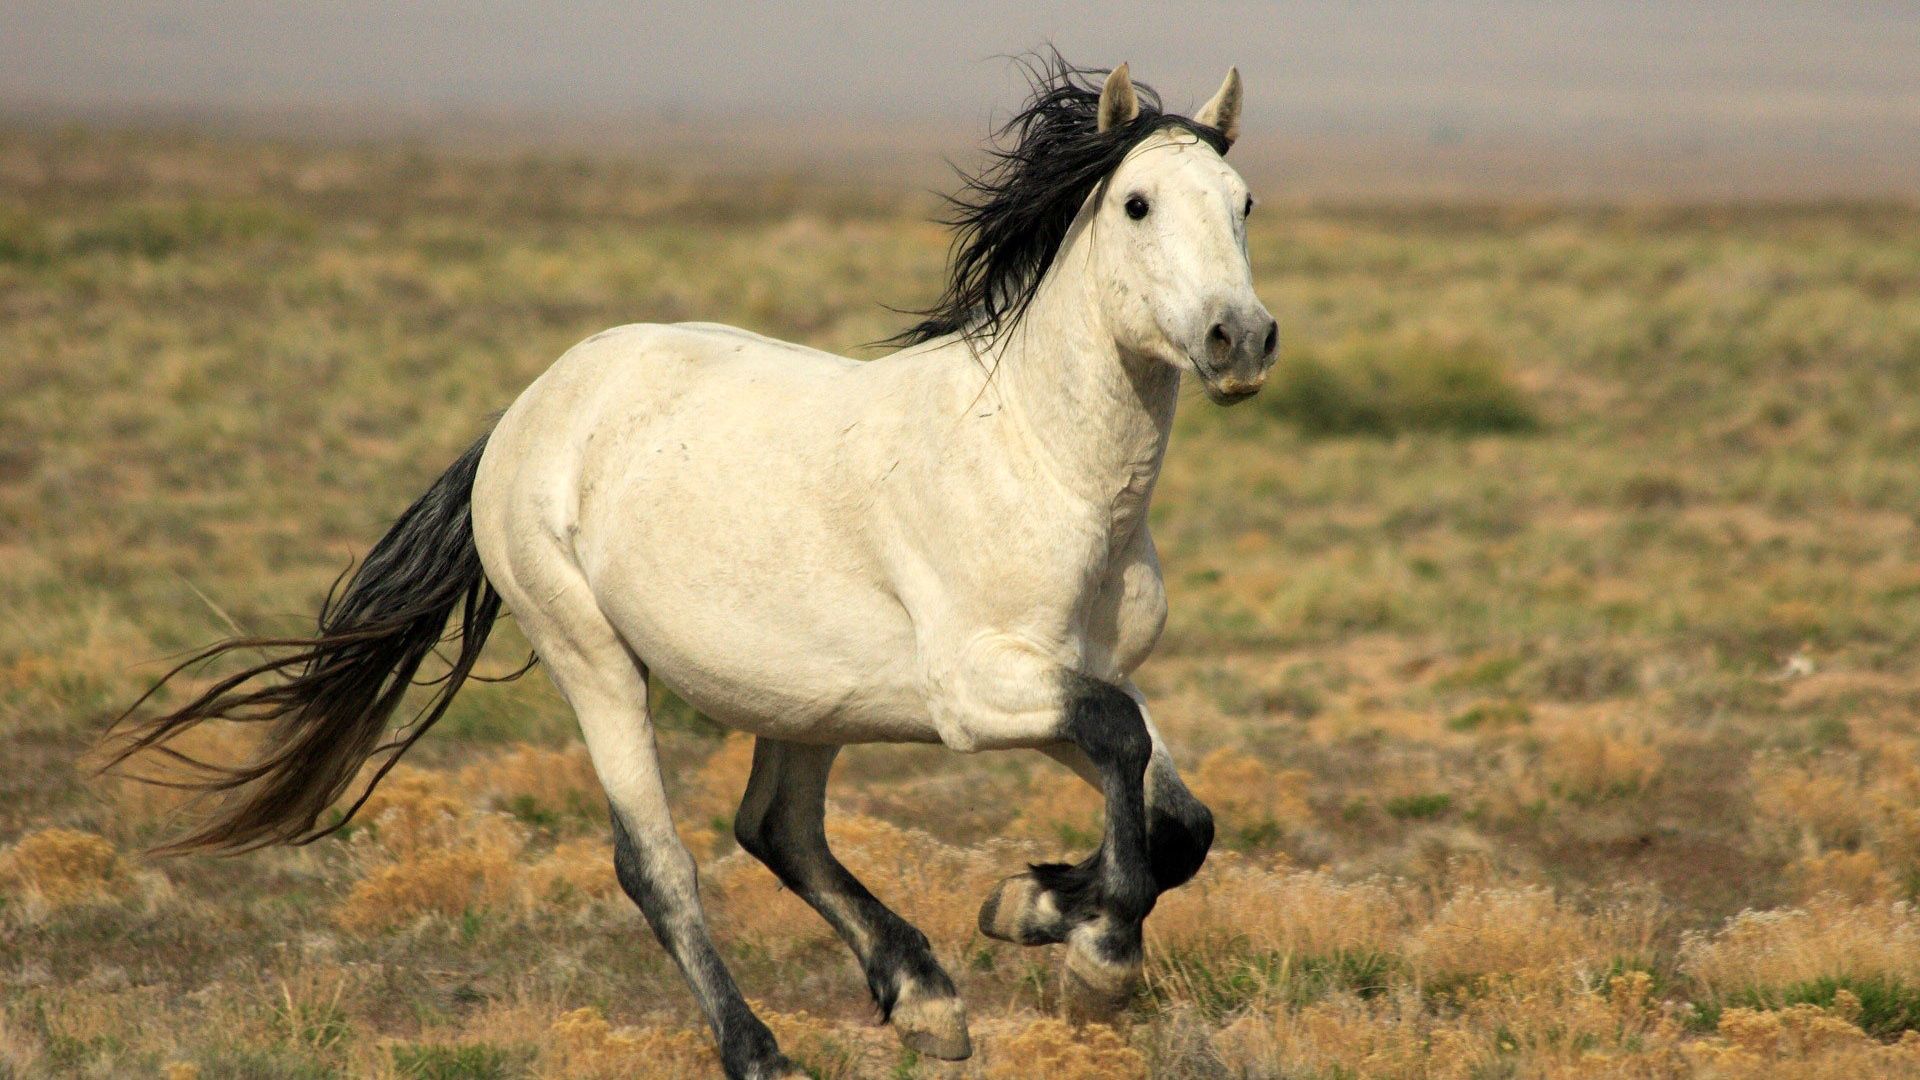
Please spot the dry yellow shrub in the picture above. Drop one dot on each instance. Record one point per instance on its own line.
(1894, 799)
(425, 851)
(471, 862)
(1342, 1035)
(63, 867)
(1796, 1031)
(574, 870)
(1051, 1048)
(1583, 762)
(1854, 875)
(180, 1070)
(1811, 806)
(1805, 1042)
(1553, 1028)
(1829, 938)
(825, 1050)
(581, 1045)
(1559, 1028)
(936, 886)
(413, 810)
(1247, 795)
(1482, 932)
(533, 779)
(1234, 902)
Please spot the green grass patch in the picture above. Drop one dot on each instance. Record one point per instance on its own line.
(1419, 807)
(1889, 1006)
(1228, 981)
(1384, 388)
(1491, 715)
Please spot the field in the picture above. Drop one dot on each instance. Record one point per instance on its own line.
(1544, 638)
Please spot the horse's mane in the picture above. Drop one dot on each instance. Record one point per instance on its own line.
(1011, 216)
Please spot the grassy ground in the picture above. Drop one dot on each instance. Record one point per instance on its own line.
(1544, 638)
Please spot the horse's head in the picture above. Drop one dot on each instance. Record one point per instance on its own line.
(1144, 202)
(1168, 232)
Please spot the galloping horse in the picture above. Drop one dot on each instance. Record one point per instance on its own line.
(944, 545)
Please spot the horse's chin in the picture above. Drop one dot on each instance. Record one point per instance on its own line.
(1229, 397)
(1226, 390)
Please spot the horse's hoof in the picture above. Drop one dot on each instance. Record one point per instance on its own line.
(1094, 989)
(1020, 911)
(934, 1026)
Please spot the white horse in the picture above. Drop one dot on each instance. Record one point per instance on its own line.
(948, 544)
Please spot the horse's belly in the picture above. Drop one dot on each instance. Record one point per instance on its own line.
(790, 695)
(809, 654)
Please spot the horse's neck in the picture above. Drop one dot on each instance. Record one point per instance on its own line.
(1098, 420)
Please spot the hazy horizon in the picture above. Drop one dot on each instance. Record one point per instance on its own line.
(1571, 96)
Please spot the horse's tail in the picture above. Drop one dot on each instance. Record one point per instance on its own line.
(330, 698)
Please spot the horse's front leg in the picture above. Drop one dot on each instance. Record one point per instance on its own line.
(1096, 905)
(1179, 825)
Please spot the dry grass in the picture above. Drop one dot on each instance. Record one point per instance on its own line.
(57, 868)
(1543, 640)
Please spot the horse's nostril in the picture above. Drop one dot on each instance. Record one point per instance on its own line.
(1273, 338)
(1219, 342)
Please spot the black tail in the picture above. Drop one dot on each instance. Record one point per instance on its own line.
(331, 697)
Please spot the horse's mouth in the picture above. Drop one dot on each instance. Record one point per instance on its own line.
(1227, 389)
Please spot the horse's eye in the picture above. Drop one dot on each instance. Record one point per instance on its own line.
(1247, 210)
(1136, 207)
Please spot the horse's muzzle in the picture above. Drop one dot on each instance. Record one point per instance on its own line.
(1240, 349)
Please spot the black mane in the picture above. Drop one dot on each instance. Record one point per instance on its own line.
(1010, 218)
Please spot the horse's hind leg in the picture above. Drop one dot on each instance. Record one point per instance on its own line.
(608, 691)
(781, 822)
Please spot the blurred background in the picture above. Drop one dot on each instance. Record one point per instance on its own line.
(1571, 98)
(1543, 636)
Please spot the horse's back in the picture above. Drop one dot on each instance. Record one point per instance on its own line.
(658, 362)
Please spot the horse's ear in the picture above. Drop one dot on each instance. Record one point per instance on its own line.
(1223, 112)
(1118, 103)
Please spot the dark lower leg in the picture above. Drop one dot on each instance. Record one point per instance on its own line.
(782, 823)
(1098, 903)
(1179, 826)
(660, 879)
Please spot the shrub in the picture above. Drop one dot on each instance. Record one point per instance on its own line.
(581, 1045)
(1251, 803)
(64, 867)
(1419, 807)
(1883, 1006)
(1790, 955)
(1385, 388)
(1051, 1048)
(539, 786)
